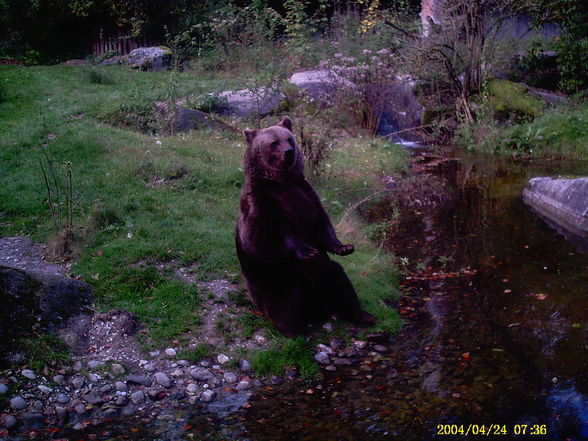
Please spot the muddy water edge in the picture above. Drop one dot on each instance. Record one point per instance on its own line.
(495, 334)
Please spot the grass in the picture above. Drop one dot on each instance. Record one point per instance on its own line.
(287, 353)
(146, 199)
(196, 354)
(45, 351)
(560, 132)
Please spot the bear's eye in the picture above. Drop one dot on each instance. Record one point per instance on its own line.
(274, 145)
(291, 141)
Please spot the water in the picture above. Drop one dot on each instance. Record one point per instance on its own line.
(496, 334)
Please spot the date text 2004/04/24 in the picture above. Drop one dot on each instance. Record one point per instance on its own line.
(491, 429)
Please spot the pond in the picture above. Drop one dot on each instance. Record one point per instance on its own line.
(495, 341)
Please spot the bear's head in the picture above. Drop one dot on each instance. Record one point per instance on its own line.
(272, 153)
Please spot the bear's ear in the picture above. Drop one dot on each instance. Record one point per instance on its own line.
(286, 122)
(249, 135)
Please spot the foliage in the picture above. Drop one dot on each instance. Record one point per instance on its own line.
(509, 99)
(44, 352)
(196, 354)
(287, 353)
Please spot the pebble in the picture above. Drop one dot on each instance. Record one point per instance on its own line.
(325, 348)
(177, 373)
(93, 378)
(331, 368)
(117, 370)
(243, 385)
(183, 363)
(93, 364)
(138, 379)
(275, 380)
(191, 388)
(149, 367)
(380, 348)
(342, 361)
(18, 403)
(44, 389)
(122, 400)
(106, 388)
(245, 365)
(33, 421)
(27, 373)
(110, 413)
(205, 363)
(77, 366)
(62, 399)
(121, 387)
(207, 395)
(201, 374)
(360, 344)
(10, 421)
(328, 327)
(62, 414)
(3, 389)
(92, 398)
(78, 382)
(80, 408)
(170, 352)
(162, 379)
(138, 397)
(78, 426)
(222, 358)
(322, 358)
(229, 377)
(59, 379)
(128, 410)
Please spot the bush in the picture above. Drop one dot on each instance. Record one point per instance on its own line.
(97, 77)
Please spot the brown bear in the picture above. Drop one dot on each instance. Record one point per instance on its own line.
(283, 235)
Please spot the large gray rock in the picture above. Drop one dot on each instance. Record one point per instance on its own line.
(150, 58)
(320, 84)
(564, 202)
(250, 102)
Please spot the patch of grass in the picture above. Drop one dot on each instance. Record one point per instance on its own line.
(559, 132)
(45, 351)
(100, 77)
(251, 322)
(287, 353)
(196, 354)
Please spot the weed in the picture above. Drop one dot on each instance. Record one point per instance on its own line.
(96, 76)
(45, 352)
(197, 353)
(251, 322)
(288, 353)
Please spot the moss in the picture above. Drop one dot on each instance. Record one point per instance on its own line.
(509, 99)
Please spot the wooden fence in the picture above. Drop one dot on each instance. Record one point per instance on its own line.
(119, 42)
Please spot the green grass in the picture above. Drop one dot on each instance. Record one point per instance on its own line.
(45, 351)
(560, 132)
(196, 354)
(145, 199)
(294, 353)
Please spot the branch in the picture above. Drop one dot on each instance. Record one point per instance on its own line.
(399, 29)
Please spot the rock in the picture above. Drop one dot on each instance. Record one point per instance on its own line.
(128, 410)
(222, 359)
(44, 389)
(328, 327)
(3, 389)
(117, 370)
(121, 400)
(9, 421)
(183, 363)
(249, 102)
(78, 426)
(162, 379)
(243, 385)
(62, 414)
(322, 358)
(120, 386)
(507, 98)
(360, 344)
(170, 352)
(77, 382)
(138, 397)
(380, 348)
(177, 373)
(320, 84)
(342, 362)
(187, 119)
(77, 366)
(202, 374)
(330, 368)
(191, 388)
(111, 413)
(93, 378)
(207, 395)
(80, 408)
(106, 388)
(93, 364)
(62, 399)
(149, 367)
(33, 421)
(33, 300)
(93, 398)
(229, 377)
(150, 58)
(59, 379)
(244, 365)
(275, 380)
(563, 203)
(18, 403)
(27, 373)
(138, 379)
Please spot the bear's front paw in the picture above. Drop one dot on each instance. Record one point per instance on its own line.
(343, 250)
(307, 253)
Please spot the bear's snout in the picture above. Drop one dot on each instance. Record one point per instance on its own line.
(289, 157)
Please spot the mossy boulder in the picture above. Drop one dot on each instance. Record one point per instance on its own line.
(508, 99)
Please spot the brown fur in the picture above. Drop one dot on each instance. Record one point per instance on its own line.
(283, 235)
